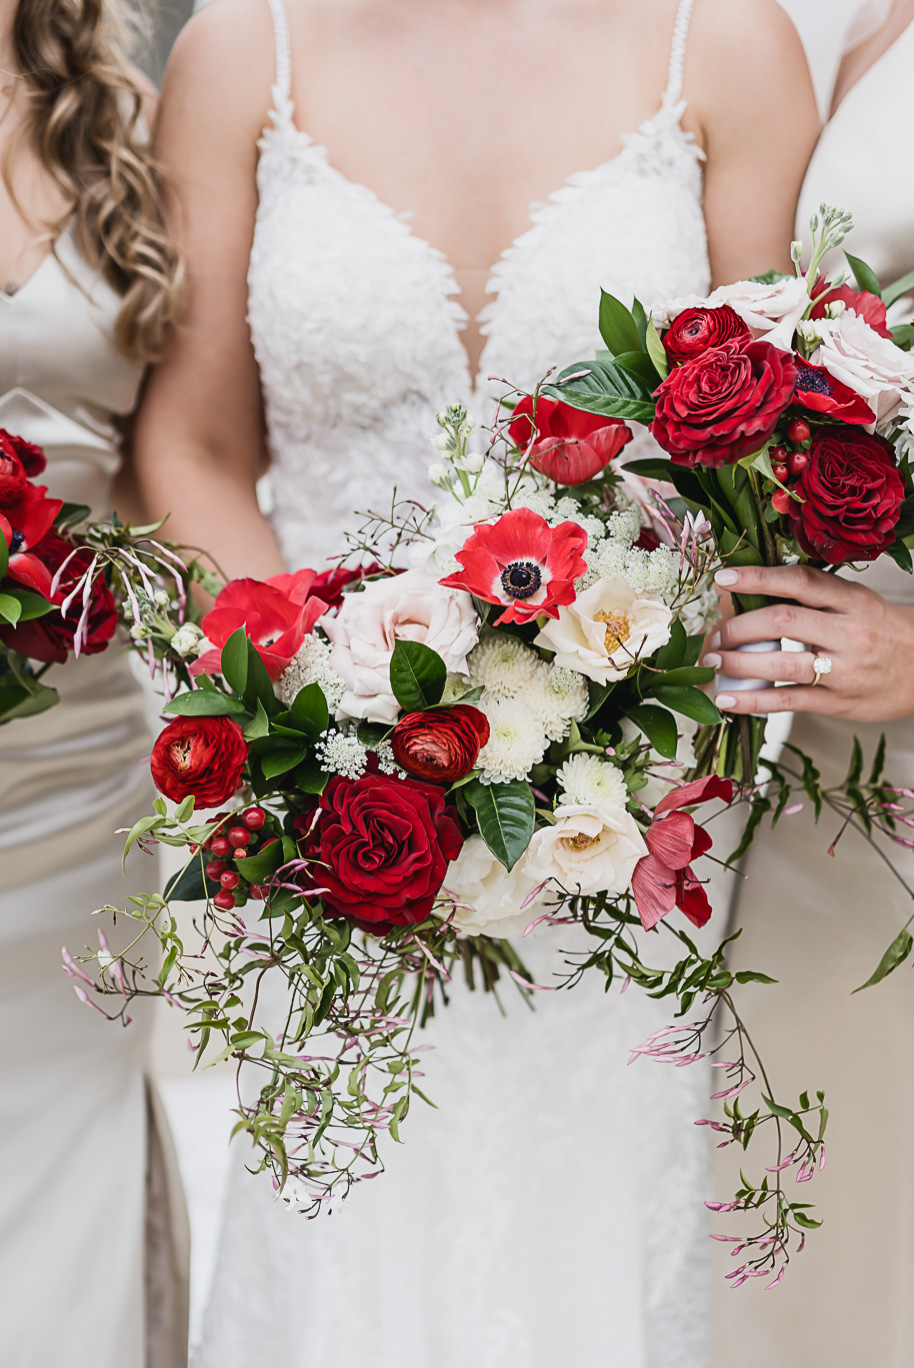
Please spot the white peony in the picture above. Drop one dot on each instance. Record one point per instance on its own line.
(589, 781)
(591, 849)
(487, 900)
(606, 629)
(408, 607)
(872, 366)
(517, 740)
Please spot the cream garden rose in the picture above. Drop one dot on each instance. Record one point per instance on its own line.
(871, 365)
(484, 897)
(606, 629)
(591, 849)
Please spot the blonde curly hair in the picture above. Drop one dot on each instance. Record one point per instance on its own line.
(85, 120)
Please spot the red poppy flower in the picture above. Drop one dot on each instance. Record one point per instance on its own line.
(277, 615)
(570, 446)
(822, 393)
(442, 745)
(24, 523)
(199, 756)
(664, 879)
(523, 563)
(867, 306)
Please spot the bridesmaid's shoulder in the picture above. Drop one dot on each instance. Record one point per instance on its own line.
(224, 61)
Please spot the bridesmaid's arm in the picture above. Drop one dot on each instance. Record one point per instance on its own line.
(751, 94)
(200, 437)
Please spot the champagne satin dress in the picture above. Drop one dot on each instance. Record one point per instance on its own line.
(89, 1269)
(821, 925)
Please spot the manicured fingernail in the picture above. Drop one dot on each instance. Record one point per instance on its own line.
(713, 661)
(714, 643)
(727, 577)
(725, 700)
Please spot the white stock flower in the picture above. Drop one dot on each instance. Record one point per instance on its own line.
(591, 849)
(408, 607)
(186, 640)
(484, 897)
(517, 740)
(872, 366)
(312, 665)
(557, 697)
(502, 665)
(589, 781)
(608, 626)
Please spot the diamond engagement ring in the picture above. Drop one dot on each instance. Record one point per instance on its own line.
(821, 665)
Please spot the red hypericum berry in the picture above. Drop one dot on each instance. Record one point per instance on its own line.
(257, 892)
(780, 501)
(220, 847)
(780, 472)
(778, 455)
(799, 431)
(230, 880)
(239, 836)
(225, 900)
(193, 848)
(254, 818)
(215, 869)
(797, 461)
(241, 853)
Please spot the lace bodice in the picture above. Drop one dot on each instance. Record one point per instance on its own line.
(356, 325)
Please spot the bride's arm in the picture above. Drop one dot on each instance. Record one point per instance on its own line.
(750, 94)
(200, 439)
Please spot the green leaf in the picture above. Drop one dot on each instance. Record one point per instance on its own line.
(605, 388)
(752, 976)
(71, 514)
(864, 275)
(900, 554)
(641, 321)
(688, 701)
(506, 814)
(855, 768)
(617, 326)
(672, 654)
(17, 701)
(10, 609)
(641, 365)
(784, 1113)
(310, 778)
(417, 676)
(897, 290)
(190, 884)
(878, 761)
(905, 525)
(281, 760)
(896, 954)
(659, 726)
(32, 605)
(309, 712)
(204, 703)
(686, 674)
(260, 867)
(656, 351)
(652, 467)
(259, 726)
(235, 661)
(805, 1222)
(259, 686)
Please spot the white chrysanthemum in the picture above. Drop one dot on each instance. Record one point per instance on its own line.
(516, 742)
(590, 781)
(311, 666)
(557, 697)
(502, 665)
(342, 753)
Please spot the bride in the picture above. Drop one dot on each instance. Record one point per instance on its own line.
(340, 238)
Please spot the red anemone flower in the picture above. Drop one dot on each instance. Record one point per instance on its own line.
(570, 446)
(24, 523)
(523, 563)
(664, 878)
(822, 393)
(866, 305)
(277, 614)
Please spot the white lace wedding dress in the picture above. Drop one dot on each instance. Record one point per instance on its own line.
(550, 1210)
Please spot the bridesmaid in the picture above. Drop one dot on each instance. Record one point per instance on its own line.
(821, 925)
(88, 279)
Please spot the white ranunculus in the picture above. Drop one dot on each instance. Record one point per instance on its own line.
(589, 850)
(408, 607)
(485, 898)
(872, 366)
(606, 629)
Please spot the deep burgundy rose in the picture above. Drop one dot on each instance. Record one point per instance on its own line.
(381, 847)
(852, 494)
(442, 745)
(330, 585)
(200, 756)
(571, 446)
(868, 306)
(724, 404)
(50, 638)
(695, 330)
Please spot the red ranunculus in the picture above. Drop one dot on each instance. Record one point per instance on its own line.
(867, 306)
(442, 745)
(277, 614)
(724, 404)
(13, 479)
(330, 585)
(25, 523)
(820, 392)
(852, 495)
(31, 458)
(664, 879)
(50, 638)
(523, 563)
(571, 446)
(381, 847)
(199, 756)
(695, 330)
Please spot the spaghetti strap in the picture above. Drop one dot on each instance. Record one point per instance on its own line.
(673, 93)
(282, 90)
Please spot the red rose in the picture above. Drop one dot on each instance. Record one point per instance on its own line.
(695, 330)
(724, 404)
(381, 847)
(522, 562)
(440, 746)
(277, 614)
(820, 392)
(664, 879)
(51, 638)
(200, 756)
(330, 585)
(867, 306)
(571, 446)
(852, 495)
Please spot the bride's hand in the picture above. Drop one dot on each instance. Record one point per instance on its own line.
(869, 641)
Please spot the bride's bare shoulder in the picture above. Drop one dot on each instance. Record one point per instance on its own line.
(223, 64)
(748, 57)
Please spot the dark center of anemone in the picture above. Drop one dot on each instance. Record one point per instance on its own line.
(521, 579)
(17, 541)
(811, 381)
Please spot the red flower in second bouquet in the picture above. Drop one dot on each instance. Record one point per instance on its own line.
(664, 878)
(523, 563)
(24, 524)
(277, 614)
(330, 585)
(571, 446)
(203, 757)
(19, 463)
(820, 392)
(851, 495)
(442, 745)
(866, 305)
(50, 638)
